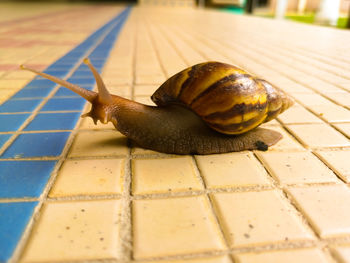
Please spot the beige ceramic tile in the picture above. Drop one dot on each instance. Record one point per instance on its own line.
(257, 218)
(222, 259)
(312, 255)
(89, 177)
(15, 84)
(319, 135)
(150, 79)
(124, 90)
(326, 207)
(298, 114)
(344, 127)
(287, 142)
(6, 94)
(338, 161)
(342, 253)
(340, 97)
(289, 167)
(164, 175)
(310, 99)
(136, 150)
(88, 124)
(145, 100)
(75, 231)
(99, 143)
(19, 74)
(332, 113)
(145, 90)
(231, 170)
(270, 124)
(174, 226)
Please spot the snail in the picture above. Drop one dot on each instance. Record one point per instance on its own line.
(208, 108)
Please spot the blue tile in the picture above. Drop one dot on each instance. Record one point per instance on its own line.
(19, 105)
(40, 83)
(53, 121)
(84, 67)
(19, 179)
(82, 81)
(57, 73)
(11, 122)
(37, 145)
(4, 138)
(64, 104)
(64, 92)
(32, 93)
(14, 218)
(81, 74)
(57, 66)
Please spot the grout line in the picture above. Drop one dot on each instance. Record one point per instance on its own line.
(126, 230)
(175, 194)
(211, 204)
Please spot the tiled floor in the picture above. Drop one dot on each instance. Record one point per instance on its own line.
(73, 191)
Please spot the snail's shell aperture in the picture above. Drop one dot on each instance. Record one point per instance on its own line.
(226, 97)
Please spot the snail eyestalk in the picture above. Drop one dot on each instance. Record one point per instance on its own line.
(103, 93)
(86, 94)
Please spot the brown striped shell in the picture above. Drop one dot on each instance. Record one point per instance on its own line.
(227, 98)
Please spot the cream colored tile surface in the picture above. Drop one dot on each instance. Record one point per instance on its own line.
(88, 124)
(338, 161)
(287, 256)
(342, 253)
(319, 135)
(298, 114)
(99, 143)
(332, 113)
(291, 167)
(344, 127)
(231, 170)
(164, 175)
(145, 90)
(312, 99)
(285, 206)
(77, 231)
(252, 218)
(286, 143)
(327, 208)
(223, 259)
(89, 177)
(190, 221)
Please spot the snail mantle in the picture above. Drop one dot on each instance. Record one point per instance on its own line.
(208, 108)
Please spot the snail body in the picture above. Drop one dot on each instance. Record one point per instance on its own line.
(208, 108)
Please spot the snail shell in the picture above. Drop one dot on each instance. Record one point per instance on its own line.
(227, 98)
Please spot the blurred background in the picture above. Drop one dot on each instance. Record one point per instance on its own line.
(322, 12)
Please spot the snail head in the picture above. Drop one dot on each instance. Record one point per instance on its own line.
(103, 103)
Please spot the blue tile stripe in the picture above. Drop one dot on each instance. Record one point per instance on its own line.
(14, 219)
(97, 47)
(21, 174)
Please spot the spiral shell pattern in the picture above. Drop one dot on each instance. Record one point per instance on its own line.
(226, 97)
